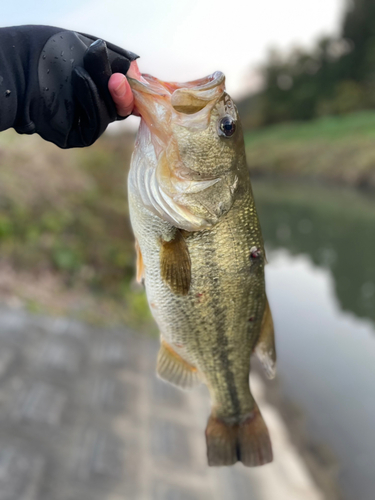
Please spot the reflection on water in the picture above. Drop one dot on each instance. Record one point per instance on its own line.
(321, 262)
(335, 228)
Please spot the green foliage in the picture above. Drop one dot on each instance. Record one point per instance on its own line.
(359, 28)
(6, 227)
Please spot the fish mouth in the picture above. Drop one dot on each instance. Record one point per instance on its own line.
(161, 105)
(186, 97)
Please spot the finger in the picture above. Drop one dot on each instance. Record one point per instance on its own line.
(121, 93)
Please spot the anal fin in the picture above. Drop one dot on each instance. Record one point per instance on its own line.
(265, 348)
(175, 264)
(174, 369)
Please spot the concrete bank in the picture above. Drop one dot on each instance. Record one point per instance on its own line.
(82, 416)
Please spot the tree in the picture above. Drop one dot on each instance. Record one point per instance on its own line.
(359, 29)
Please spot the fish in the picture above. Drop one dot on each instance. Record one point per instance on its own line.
(201, 257)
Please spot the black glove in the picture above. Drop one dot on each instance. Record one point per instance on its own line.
(55, 83)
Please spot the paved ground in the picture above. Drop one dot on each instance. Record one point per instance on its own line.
(83, 417)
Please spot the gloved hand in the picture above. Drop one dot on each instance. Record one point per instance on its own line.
(55, 83)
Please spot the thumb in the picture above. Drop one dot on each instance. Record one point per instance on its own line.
(121, 94)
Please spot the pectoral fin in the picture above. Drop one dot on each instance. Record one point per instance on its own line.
(175, 264)
(174, 369)
(140, 264)
(265, 348)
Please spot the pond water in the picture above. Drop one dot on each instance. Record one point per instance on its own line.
(321, 286)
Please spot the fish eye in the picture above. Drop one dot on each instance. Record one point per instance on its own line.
(227, 126)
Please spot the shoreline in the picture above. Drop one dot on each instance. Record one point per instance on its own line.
(259, 175)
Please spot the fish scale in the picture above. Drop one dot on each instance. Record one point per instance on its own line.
(211, 304)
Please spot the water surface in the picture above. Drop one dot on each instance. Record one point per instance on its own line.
(321, 286)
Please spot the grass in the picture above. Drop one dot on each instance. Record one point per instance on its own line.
(338, 149)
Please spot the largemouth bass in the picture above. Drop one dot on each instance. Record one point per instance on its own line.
(200, 253)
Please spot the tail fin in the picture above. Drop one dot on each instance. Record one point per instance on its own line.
(247, 442)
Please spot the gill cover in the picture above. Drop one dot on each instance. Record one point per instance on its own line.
(167, 186)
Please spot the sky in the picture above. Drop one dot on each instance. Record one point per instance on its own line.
(188, 39)
(182, 40)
